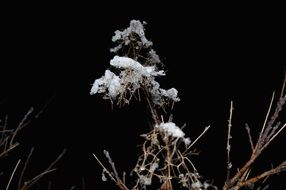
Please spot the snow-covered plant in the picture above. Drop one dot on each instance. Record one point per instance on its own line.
(165, 162)
(133, 71)
(166, 150)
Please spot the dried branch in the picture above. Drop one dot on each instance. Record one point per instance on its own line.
(120, 183)
(21, 125)
(50, 168)
(202, 133)
(25, 167)
(12, 175)
(175, 168)
(249, 136)
(276, 170)
(228, 146)
(270, 130)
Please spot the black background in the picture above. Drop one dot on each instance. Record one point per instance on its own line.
(51, 54)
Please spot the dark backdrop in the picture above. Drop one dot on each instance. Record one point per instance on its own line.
(51, 55)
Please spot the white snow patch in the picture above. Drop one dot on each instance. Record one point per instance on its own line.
(154, 57)
(145, 180)
(125, 35)
(128, 63)
(171, 129)
(153, 167)
(197, 185)
(109, 83)
(158, 94)
(172, 93)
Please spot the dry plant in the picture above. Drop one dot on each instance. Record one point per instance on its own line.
(270, 130)
(165, 162)
(7, 138)
(8, 143)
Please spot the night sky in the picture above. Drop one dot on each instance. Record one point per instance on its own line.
(51, 57)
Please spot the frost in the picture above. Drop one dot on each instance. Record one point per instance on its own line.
(229, 165)
(172, 93)
(228, 147)
(158, 94)
(187, 141)
(109, 83)
(153, 167)
(154, 58)
(135, 27)
(145, 180)
(183, 180)
(206, 185)
(197, 185)
(103, 177)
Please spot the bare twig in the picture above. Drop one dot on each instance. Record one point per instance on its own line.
(115, 178)
(25, 167)
(5, 141)
(228, 146)
(249, 136)
(49, 169)
(268, 133)
(104, 168)
(278, 169)
(12, 175)
(266, 119)
(21, 125)
(194, 142)
(112, 164)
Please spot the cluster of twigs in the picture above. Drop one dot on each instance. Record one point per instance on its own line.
(270, 130)
(166, 160)
(7, 136)
(8, 143)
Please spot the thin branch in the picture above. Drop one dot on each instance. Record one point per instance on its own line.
(57, 159)
(267, 134)
(274, 136)
(21, 125)
(49, 169)
(31, 182)
(25, 167)
(228, 167)
(278, 169)
(205, 130)
(249, 136)
(13, 173)
(265, 121)
(111, 163)
(8, 149)
(104, 168)
(283, 87)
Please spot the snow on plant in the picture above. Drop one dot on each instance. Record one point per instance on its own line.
(166, 150)
(172, 130)
(135, 71)
(165, 161)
